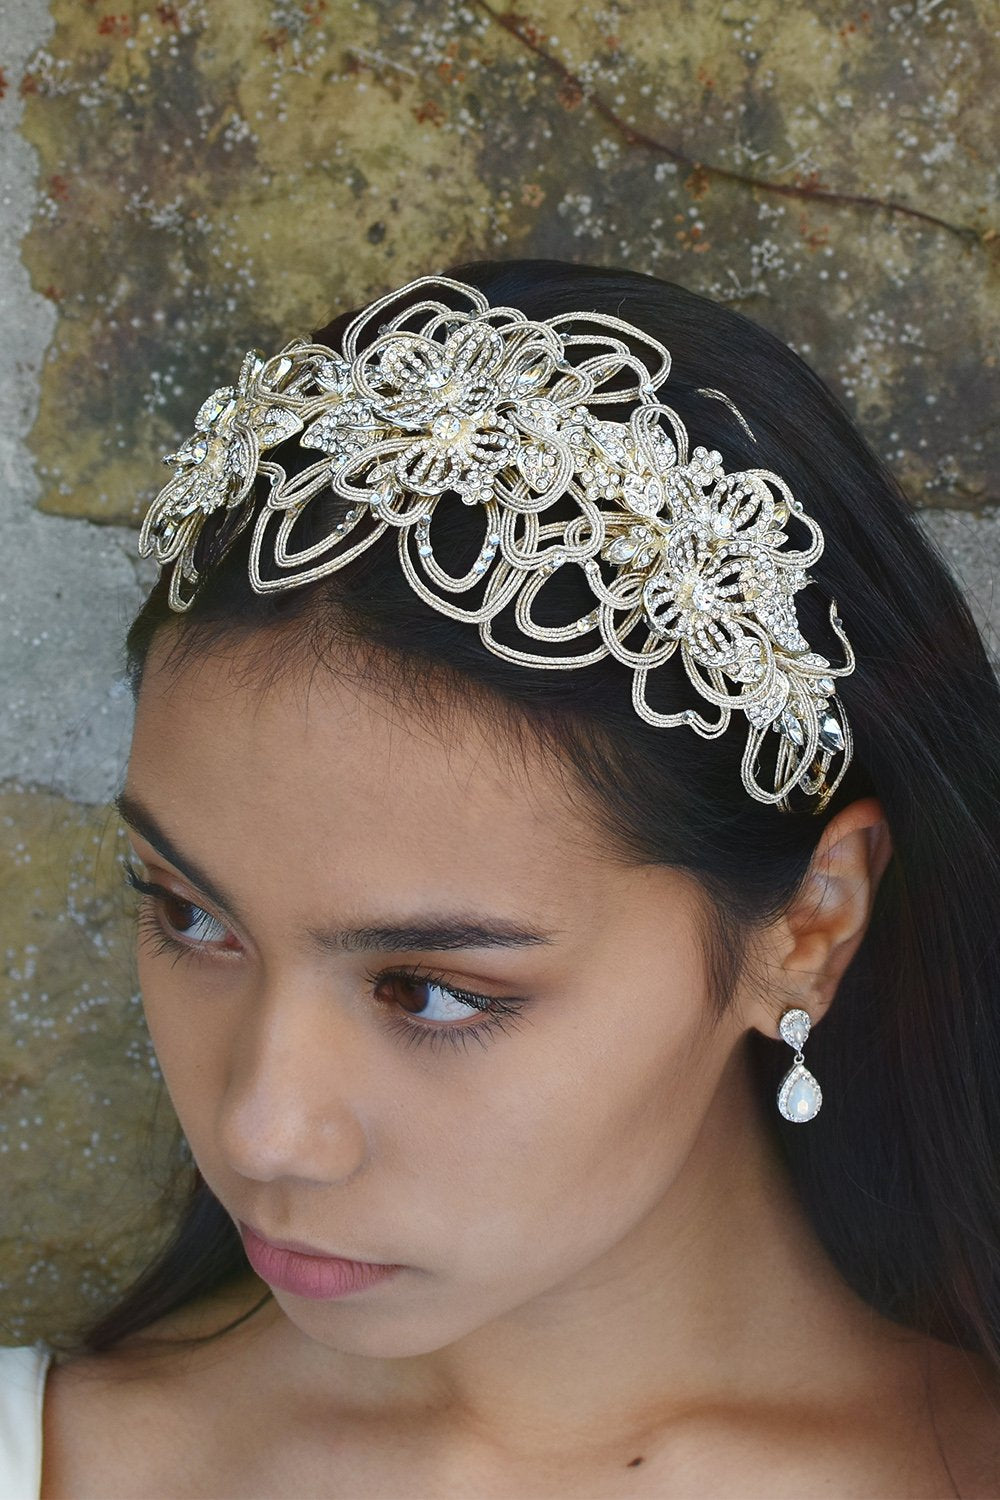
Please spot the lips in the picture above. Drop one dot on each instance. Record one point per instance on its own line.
(302, 1249)
(308, 1274)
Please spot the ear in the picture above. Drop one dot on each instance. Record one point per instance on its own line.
(822, 930)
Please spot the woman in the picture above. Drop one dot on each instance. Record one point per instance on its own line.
(514, 781)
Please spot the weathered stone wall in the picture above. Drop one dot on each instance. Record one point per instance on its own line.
(186, 180)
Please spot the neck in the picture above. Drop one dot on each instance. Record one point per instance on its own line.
(703, 1302)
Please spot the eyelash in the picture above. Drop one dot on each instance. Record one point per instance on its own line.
(498, 1013)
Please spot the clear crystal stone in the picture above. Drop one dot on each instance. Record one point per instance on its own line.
(211, 410)
(831, 736)
(793, 728)
(800, 1096)
(528, 379)
(621, 550)
(795, 1026)
(192, 452)
(446, 428)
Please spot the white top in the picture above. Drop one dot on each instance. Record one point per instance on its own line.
(22, 1390)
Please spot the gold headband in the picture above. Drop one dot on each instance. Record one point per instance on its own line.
(456, 397)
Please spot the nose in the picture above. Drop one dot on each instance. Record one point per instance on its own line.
(291, 1105)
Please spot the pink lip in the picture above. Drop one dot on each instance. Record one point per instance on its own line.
(307, 1273)
(298, 1246)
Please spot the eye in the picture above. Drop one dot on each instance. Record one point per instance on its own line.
(192, 923)
(181, 924)
(441, 1006)
(420, 995)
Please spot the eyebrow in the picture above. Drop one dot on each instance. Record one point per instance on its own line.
(419, 934)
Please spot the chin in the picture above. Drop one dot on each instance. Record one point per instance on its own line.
(376, 1333)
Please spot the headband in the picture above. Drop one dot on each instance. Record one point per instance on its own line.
(435, 393)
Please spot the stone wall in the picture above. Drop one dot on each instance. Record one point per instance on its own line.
(183, 181)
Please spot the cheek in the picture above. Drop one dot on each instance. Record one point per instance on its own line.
(559, 1163)
(184, 1029)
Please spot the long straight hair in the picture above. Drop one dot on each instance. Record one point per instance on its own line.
(899, 1171)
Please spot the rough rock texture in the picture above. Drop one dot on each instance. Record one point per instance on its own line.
(187, 180)
(85, 1138)
(218, 175)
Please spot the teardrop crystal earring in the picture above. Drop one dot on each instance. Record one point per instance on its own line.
(799, 1096)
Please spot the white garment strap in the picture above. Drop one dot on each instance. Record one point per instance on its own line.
(22, 1392)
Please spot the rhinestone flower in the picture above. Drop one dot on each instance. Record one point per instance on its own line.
(216, 467)
(449, 416)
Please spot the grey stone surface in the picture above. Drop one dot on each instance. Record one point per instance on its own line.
(80, 1104)
(67, 588)
(970, 546)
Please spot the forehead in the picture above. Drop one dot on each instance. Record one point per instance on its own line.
(310, 765)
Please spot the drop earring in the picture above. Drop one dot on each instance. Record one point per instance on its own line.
(799, 1096)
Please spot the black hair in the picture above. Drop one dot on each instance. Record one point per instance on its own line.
(900, 1171)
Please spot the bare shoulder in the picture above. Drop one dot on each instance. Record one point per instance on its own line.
(110, 1420)
(964, 1406)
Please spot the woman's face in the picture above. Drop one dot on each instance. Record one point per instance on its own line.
(332, 1088)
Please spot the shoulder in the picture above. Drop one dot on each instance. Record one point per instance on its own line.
(112, 1422)
(963, 1406)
